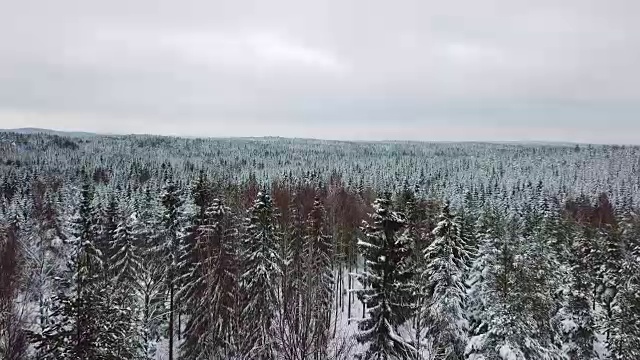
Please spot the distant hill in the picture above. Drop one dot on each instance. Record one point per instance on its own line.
(32, 130)
(49, 132)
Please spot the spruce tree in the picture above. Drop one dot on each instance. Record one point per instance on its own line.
(320, 278)
(477, 281)
(82, 319)
(108, 222)
(443, 279)
(260, 276)
(152, 279)
(172, 216)
(539, 273)
(579, 325)
(127, 268)
(210, 288)
(187, 269)
(387, 285)
(510, 325)
(623, 323)
(126, 260)
(13, 340)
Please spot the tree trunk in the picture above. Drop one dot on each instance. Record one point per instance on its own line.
(349, 294)
(171, 290)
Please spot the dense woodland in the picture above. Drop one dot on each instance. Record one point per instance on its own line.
(143, 247)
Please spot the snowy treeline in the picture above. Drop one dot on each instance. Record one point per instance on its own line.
(163, 248)
(443, 170)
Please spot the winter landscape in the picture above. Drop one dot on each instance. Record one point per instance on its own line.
(125, 247)
(319, 180)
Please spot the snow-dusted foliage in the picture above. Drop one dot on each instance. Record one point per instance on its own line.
(210, 287)
(387, 285)
(259, 279)
(319, 277)
(511, 294)
(171, 249)
(126, 247)
(444, 288)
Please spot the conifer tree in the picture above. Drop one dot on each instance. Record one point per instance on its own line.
(201, 194)
(510, 325)
(579, 329)
(13, 341)
(539, 273)
(292, 266)
(623, 323)
(477, 281)
(446, 266)
(84, 325)
(152, 279)
(172, 217)
(186, 268)
(387, 285)
(108, 221)
(126, 267)
(294, 326)
(126, 260)
(260, 276)
(210, 288)
(320, 279)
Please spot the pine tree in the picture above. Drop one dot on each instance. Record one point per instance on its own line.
(82, 320)
(195, 253)
(579, 325)
(172, 217)
(261, 270)
(320, 279)
(210, 288)
(446, 266)
(223, 287)
(387, 285)
(186, 270)
(540, 272)
(126, 261)
(477, 281)
(294, 328)
(13, 341)
(107, 224)
(201, 195)
(510, 325)
(126, 265)
(416, 229)
(152, 279)
(623, 323)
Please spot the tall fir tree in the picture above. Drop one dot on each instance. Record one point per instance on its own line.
(260, 277)
(126, 260)
(387, 285)
(510, 325)
(152, 279)
(623, 322)
(444, 282)
(477, 281)
(579, 326)
(84, 325)
(107, 225)
(172, 219)
(13, 340)
(210, 288)
(126, 267)
(320, 278)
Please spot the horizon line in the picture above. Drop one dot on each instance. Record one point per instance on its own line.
(79, 133)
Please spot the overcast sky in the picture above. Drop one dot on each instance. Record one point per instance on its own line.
(554, 70)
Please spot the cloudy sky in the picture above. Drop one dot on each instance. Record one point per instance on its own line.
(554, 70)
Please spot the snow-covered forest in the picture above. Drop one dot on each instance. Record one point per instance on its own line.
(145, 247)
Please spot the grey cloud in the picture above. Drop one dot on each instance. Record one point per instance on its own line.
(412, 69)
